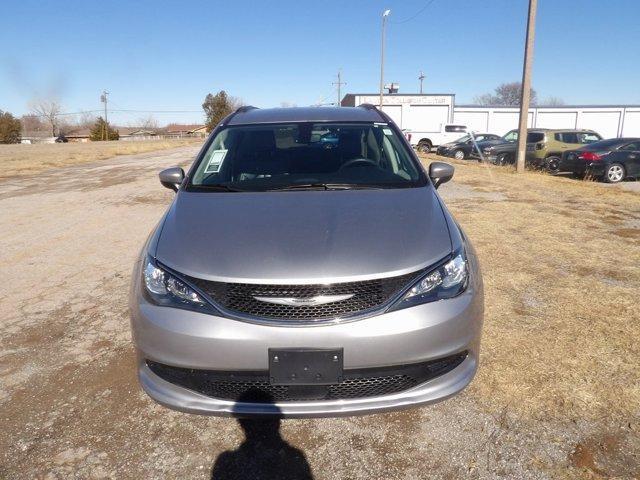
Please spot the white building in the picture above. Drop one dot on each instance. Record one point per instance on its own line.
(428, 113)
(608, 120)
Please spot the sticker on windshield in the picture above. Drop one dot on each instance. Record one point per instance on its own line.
(387, 131)
(215, 162)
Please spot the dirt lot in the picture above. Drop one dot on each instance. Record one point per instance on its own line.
(30, 159)
(557, 394)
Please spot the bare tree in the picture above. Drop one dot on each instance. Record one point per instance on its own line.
(148, 123)
(506, 94)
(86, 120)
(484, 99)
(32, 125)
(553, 102)
(48, 110)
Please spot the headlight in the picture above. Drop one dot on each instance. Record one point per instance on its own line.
(446, 281)
(487, 150)
(165, 289)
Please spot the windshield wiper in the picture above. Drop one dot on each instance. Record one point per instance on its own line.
(220, 187)
(325, 186)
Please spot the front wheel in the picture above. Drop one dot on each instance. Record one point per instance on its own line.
(503, 159)
(424, 147)
(458, 155)
(614, 173)
(553, 164)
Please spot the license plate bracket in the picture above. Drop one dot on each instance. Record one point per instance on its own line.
(306, 366)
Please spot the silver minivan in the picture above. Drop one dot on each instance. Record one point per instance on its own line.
(306, 267)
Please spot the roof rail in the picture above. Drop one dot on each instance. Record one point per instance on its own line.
(369, 106)
(245, 108)
(242, 109)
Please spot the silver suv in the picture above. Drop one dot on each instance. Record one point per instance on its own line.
(306, 267)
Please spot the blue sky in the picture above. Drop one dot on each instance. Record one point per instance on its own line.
(168, 55)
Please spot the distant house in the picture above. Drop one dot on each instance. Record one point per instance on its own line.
(178, 130)
(201, 131)
(78, 135)
(136, 133)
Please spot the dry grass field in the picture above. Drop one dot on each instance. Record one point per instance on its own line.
(557, 394)
(561, 262)
(29, 159)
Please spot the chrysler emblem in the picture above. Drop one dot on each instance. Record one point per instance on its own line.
(305, 301)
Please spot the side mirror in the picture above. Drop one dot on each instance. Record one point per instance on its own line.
(172, 178)
(440, 172)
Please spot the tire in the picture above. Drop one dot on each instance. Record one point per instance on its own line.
(614, 173)
(552, 164)
(503, 159)
(424, 146)
(459, 154)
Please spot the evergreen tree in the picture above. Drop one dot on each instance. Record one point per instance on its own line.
(98, 131)
(10, 128)
(218, 106)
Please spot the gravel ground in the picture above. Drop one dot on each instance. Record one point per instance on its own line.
(70, 406)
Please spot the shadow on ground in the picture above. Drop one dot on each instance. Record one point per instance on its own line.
(263, 454)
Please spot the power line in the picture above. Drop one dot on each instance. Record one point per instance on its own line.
(339, 83)
(119, 110)
(429, 2)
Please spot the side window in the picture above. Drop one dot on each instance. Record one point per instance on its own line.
(455, 128)
(634, 147)
(512, 136)
(567, 137)
(588, 137)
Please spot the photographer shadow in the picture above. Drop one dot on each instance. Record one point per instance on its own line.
(263, 454)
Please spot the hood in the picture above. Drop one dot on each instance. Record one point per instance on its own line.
(303, 237)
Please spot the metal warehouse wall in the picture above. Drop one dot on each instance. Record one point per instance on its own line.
(609, 121)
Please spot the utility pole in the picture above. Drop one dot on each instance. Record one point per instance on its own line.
(526, 86)
(385, 14)
(421, 78)
(339, 83)
(103, 99)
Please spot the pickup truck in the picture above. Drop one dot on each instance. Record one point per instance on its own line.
(424, 142)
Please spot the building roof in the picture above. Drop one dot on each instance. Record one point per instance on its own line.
(517, 107)
(305, 114)
(399, 94)
(179, 128)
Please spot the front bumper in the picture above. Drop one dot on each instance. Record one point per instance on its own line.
(188, 339)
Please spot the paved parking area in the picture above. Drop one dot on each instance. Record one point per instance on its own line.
(70, 406)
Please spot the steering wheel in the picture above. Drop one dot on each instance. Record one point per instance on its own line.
(362, 161)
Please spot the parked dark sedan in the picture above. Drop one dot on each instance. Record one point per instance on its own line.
(463, 147)
(613, 160)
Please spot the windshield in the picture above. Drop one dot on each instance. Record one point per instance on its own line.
(306, 155)
(464, 139)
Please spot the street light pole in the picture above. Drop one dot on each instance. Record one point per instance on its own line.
(103, 99)
(385, 14)
(526, 86)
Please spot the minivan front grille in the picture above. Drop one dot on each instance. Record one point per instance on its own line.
(364, 296)
(357, 383)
